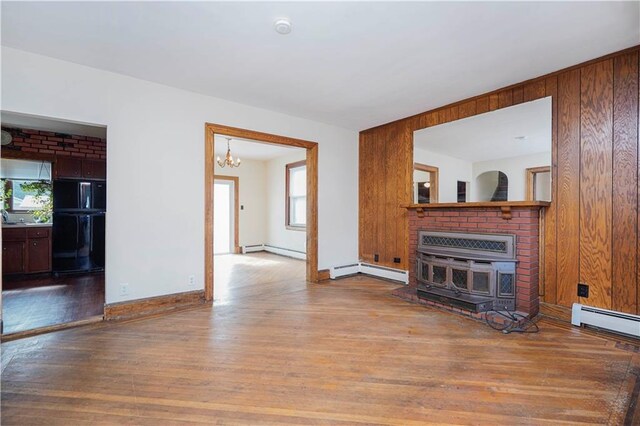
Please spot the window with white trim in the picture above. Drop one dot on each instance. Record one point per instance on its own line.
(296, 187)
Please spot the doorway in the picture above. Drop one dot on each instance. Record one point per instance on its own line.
(538, 181)
(226, 216)
(425, 184)
(311, 178)
(53, 204)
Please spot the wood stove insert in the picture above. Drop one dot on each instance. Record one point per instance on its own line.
(475, 272)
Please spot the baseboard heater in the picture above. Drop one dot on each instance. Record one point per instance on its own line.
(368, 269)
(276, 250)
(252, 249)
(617, 322)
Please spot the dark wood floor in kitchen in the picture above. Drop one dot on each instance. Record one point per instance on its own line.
(44, 301)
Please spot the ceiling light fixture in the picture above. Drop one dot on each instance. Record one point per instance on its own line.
(282, 26)
(228, 159)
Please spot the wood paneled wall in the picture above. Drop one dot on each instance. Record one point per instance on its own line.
(385, 168)
(591, 228)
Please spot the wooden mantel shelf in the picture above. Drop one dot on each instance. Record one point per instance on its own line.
(504, 206)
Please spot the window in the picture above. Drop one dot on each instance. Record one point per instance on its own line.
(26, 195)
(26, 185)
(296, 195)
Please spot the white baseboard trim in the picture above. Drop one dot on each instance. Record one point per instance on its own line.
(617, 322)
(285, 252)
(368, 269)
(252, 249)
(344, 271)
(275, 250)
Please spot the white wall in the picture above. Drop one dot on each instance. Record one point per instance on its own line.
(514, 168)
(450, 171)
(251, 175)
(277, 233)
(155, 149)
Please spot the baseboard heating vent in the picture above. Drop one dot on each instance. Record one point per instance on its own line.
(617, 322)
(286, 252)
(276, 250)
(367, 269)
(253, 248)
(382, 272)
(344, 271)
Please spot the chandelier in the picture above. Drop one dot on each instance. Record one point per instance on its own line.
(228, 159)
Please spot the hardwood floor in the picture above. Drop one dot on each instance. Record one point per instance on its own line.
(283, 351)
(39, 302)
(255, 274)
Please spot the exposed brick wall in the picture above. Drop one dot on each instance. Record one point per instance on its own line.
(39, 141)
(524, 224)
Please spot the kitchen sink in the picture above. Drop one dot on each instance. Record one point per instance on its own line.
(24, 224)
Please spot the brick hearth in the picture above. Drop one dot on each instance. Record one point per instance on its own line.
(524, 224)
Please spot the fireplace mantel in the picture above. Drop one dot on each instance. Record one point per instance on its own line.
(504, 206)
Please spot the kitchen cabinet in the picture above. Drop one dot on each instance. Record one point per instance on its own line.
(39, 250)
(68, 168)
(13, 257)
(76, 168)
(26, 249)
(92, 169)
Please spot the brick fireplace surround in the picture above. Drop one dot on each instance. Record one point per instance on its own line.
(524, 223)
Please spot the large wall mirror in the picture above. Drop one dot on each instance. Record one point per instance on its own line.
(503, 155)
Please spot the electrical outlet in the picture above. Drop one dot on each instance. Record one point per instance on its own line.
(124, 289)
(376, 258)
(583, 290)
(192, 280)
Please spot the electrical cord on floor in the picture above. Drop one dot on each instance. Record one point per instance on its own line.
(511, 322)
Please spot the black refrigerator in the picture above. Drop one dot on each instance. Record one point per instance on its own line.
(78, 226)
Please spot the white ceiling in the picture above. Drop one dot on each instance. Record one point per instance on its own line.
(352, 64)
(248, 149)
(492, 135)
(34, 122)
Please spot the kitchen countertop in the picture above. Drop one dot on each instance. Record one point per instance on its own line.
(26, 225)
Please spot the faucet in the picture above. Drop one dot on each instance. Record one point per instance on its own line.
(5, 216)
